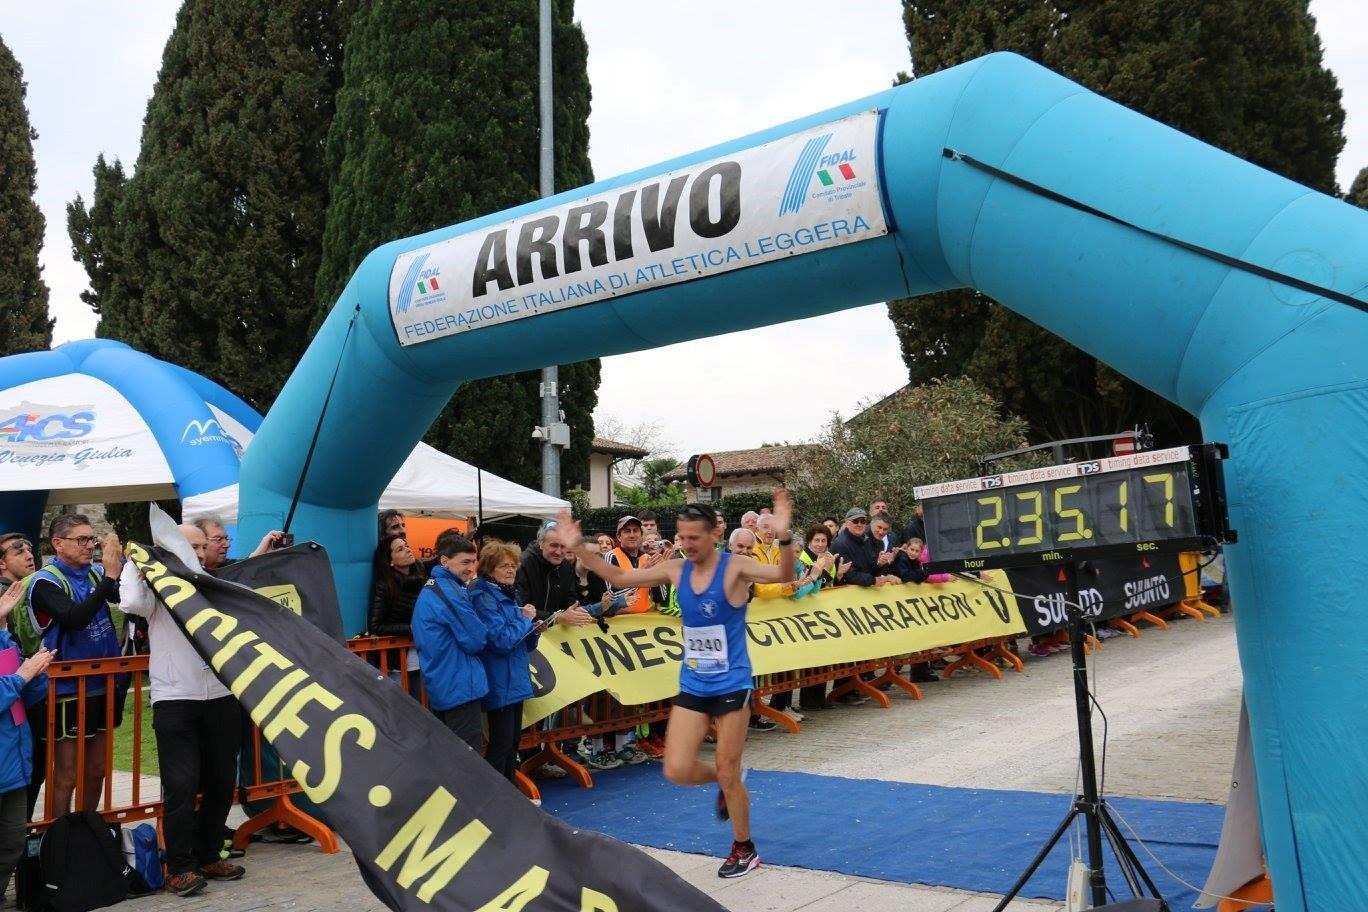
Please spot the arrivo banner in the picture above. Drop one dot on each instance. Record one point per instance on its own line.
(809, 191)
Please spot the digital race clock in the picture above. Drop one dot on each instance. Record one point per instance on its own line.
(1161, 500)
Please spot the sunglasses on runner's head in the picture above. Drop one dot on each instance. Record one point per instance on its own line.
(693, 511)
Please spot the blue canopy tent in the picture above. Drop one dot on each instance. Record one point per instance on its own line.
(96, 421)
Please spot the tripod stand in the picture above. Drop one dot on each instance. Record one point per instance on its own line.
(1089, 805)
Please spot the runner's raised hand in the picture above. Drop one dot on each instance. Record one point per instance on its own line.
(783, 513)
(569, 529)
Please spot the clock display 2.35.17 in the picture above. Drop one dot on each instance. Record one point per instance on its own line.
(1120, 505)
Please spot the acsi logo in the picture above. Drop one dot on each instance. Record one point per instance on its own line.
(708, 607)
(795, 191)
(28, 426)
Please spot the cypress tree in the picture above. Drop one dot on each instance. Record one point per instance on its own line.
(437, 122)
(23, 294)
(1358, 191)
(1244, 75)
(207, 255)
(94, 239)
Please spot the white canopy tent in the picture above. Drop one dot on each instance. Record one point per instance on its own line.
(429, 483)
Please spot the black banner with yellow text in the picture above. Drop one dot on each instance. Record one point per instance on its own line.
(431, 825)
(299, 577)
(1107, 589)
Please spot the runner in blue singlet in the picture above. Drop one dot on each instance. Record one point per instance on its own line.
(715, 675)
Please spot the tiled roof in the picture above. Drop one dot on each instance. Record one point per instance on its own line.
(743, 462)
(614, 448)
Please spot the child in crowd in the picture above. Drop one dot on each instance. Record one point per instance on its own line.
(917, 553)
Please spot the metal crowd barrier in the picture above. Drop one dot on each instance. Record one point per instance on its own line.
(115, 808)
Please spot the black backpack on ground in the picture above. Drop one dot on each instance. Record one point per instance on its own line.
(83, 865)
(28, 875)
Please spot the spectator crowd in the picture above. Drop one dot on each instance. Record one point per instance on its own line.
(476, 610)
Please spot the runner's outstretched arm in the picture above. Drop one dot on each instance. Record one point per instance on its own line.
(617, 577)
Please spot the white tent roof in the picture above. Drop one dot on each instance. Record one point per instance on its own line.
(429, 483)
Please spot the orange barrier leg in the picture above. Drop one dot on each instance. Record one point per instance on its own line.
(1151, 618)
(970, 657)
(1125, 626)
(760, 708)
(1183, 608)
(890, 676)
(552, 753)
(1000, 651)
(1202, 605)
(527, 786)
(283, 811)
(857, 683)
(1090, 644)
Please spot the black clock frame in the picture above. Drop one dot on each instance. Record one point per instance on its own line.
(1204, 497)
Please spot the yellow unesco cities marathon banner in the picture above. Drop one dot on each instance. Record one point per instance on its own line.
(637, 660)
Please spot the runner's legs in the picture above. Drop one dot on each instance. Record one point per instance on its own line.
(731, 741)
(683, 738)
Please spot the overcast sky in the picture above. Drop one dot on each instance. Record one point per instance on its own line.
(668, 78)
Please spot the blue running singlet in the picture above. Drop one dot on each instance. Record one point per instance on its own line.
(716, 660)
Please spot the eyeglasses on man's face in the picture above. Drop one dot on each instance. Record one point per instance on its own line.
(85, 541)
(18, 546)
(219, 540)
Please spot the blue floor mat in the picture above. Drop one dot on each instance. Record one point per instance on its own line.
(969, 839)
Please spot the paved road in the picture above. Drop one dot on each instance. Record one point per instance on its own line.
(1172, 699)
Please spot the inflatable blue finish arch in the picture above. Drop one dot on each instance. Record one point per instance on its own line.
(1277, 373)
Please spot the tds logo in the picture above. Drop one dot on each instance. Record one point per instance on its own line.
(1089, 468)
(57, 426)
(993, 481)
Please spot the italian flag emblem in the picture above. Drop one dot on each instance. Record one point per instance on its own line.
(843, 172)
(428, 285)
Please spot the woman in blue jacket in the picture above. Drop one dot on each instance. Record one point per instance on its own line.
(25, 683)
(505, 652)
(449, 637)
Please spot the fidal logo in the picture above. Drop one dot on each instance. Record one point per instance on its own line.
(420, 287)
(836, 168)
